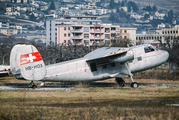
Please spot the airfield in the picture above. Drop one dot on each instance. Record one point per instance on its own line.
(103, 100)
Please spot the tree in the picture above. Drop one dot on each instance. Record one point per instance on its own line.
(129, 8)
(2, 7)
(117, 10)
(132, 5)
(114, 17)
(155, 22)
(172, 46)
(98, 4)
(154, 8)
(148, 8)
(122, 4)
(32, 17)
(112, 4)
(118, 41)
(52, 6)
(146, 16)
(170, 16)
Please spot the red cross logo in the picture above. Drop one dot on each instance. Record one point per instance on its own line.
(30, 58)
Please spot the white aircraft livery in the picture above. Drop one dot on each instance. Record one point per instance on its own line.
(4, 70)
(103, 63)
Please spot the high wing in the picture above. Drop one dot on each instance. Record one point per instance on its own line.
(109, 55)
(112, 54)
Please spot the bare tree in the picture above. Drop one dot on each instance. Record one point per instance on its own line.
(118, 41)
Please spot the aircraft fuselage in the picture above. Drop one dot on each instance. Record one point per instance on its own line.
(145, 57)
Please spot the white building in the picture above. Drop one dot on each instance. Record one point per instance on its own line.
(8, 32)
(51, 25)
(153, 38)
(84, 30)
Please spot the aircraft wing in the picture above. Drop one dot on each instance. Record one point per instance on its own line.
(111, 53)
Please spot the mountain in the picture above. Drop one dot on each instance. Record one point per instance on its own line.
(161, 4)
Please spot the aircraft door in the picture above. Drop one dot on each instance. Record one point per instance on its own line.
(93, 68)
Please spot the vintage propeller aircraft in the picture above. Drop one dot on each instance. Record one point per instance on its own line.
(103, 63)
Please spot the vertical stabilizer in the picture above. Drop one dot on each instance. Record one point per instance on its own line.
(27, 63)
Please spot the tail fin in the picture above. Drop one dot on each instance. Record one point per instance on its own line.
(27, 63)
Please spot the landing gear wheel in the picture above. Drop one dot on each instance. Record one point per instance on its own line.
(120, 82)
(34, 86)
(134, 84)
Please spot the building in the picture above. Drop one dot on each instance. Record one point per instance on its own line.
(8, 32)
(162, 34)
(20, 7)
(37, 36)
(85, 34)
(84, 30)
(128, 33)
(51, 25)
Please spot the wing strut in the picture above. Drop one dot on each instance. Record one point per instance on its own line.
(133, 84)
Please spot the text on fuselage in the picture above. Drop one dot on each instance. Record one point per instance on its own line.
(33, 67)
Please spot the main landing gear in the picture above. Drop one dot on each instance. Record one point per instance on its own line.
(33, 85)
(133, 84)
(121, 83)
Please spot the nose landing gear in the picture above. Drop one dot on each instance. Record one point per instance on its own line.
(133, 84)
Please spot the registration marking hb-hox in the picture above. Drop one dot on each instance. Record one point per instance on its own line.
(34, 67)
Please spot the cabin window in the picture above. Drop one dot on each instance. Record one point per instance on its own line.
(93, 67)
(113, 64)
(104, 66)
(148, 49)
(139, 58)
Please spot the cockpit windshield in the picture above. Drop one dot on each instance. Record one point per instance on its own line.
(156, 48)
(149, 49)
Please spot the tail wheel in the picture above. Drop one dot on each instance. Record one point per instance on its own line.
(134, 85)
(34, 86)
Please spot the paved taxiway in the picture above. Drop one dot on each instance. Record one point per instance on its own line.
(71, 87)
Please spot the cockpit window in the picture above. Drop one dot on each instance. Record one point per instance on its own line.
(148, 49)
